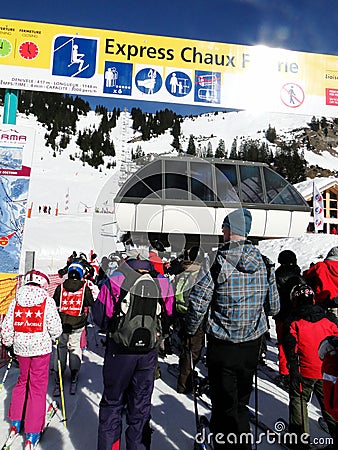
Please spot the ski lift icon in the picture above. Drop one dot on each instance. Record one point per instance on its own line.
(208, 90)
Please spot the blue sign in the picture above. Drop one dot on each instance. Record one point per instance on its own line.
(74, 57)
(148, 81)
(207, 87)
(117, 78)
(178, 84)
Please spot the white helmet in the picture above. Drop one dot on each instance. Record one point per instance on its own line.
(36, 277)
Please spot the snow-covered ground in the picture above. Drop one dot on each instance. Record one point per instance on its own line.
(172, 414)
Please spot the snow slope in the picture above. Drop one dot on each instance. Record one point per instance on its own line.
(52, 178)
(54, 238)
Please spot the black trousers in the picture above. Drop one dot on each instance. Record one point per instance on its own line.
(231, 369)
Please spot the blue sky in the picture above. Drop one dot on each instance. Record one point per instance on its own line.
(301, 25)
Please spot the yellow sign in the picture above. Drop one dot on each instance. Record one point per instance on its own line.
(106, 63)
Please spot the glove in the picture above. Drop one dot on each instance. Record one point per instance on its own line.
(10, 351)
(296, 380)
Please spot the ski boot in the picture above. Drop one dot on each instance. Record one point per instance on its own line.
(31, 440)
(13, 433)
(16, 426)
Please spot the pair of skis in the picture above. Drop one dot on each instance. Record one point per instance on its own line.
(202, 438)
(52, 409)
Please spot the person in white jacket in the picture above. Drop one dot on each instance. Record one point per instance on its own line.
(31, 324)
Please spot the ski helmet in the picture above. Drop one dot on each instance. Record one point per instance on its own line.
(287, 257)
(302, 294)
(75, 271)
(36, 277)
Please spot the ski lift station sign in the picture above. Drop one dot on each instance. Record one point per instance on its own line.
(105, 63)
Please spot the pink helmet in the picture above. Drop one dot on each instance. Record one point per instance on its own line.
(36, 277)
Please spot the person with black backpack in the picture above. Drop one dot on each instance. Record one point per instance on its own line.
(129, 307)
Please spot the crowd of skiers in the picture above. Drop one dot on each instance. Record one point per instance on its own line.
(137, 299)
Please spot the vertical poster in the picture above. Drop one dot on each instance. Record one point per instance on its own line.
(318, 209)
(16, 151)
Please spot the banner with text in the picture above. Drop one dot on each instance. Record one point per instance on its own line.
(106, 63)
(16, 151)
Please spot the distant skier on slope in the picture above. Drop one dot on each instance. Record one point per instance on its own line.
(30, 325)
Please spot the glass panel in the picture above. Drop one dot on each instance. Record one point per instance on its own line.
(226, 181)
(288, 196)
(201, 181)
(274, 184)
(251, 184)
(279, 191)
(176, 180)
(146, 182)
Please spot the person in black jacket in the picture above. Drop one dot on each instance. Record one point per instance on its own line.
(288, 274)
(71, 298)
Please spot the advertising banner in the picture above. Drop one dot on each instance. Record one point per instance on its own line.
(318, 209)
(16, 150)
(115, 64)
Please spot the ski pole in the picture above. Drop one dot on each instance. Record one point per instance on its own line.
(61, 385)
(6, 373)
(302, 406)
(256, 408)
(197, 445)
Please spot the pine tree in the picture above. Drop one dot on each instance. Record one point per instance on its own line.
(176, 143)
(271, 134)
(233, 151)
(314, 125)
(210, 153)
(220, 150)
(191, 150)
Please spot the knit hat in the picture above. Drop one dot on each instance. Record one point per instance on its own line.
(333, 254)
(287, 257)
(238, 221)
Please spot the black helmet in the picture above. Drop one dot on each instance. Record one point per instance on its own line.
(287, 257)
(302, 294)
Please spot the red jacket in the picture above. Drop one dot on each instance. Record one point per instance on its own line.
(323, 278)
(304, 331)
(156, 262)
(329, 355)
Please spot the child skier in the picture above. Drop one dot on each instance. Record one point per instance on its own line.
(29, 327)
(71, 297)
(328, 353)
(306, 326)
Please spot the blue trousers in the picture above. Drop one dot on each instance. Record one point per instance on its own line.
(128, 380)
